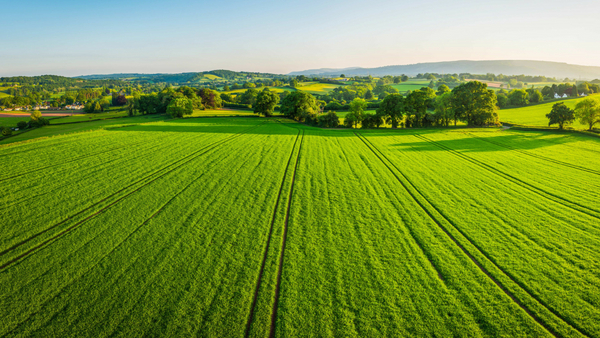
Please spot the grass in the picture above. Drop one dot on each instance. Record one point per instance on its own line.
(273, 89)
(535, 115)
(412, 84)
(318, 88)
(240, 226)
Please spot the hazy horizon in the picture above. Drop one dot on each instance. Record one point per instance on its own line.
(74, 38)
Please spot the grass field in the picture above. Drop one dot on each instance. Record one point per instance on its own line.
(233, 227)
(273, 89)
(535, 115)
(412, 84)
(318, 88)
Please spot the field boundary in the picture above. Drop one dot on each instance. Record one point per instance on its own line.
(189, 158)
(469, 255)
(550, 196)
(283, 242)
(266, 251)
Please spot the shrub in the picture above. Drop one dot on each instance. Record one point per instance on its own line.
(329, 120)
(6, 132)
(22, 124)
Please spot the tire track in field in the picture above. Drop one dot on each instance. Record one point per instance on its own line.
(188, 158)
(538, 191)
(419, 244)
(266, 251)
(20, 152)
(574, 166)
(59, 185)
(284, 238)
(108, 253)
(71, 160)
(59, 291)
(470, 256)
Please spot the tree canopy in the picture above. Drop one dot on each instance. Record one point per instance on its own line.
(588, 112)
(299, 105)
(561, 115)
(266, 102)
(474, 104)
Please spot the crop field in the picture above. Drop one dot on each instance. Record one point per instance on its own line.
(318, 88)
(535, 115)
(254, 227)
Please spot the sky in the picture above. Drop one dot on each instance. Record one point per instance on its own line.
(71, 38)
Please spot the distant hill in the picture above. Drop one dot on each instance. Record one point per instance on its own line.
(192, 77)
(506, 67)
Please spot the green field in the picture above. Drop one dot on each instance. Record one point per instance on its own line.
(317, 88)
(273, 89)
(412, 84)
(232, 227)
(535, 115)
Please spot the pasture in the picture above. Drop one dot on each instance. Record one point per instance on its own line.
(535, 115)
(412, 84)
(234, 227)
(318, 88)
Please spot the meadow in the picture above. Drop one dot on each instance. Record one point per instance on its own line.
(412, 84)
(256, 227)
(535, 115)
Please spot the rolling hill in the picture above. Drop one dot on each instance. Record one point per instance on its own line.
(507, 67)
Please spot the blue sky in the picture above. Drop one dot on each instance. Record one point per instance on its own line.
(79, 37)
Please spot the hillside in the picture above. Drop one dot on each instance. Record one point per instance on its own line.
(507, 67)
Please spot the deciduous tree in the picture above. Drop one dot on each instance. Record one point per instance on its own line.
(561, 115)
(588, 112)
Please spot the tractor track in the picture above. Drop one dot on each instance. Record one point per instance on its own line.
(266, 251)
(284, 238)
(550, 196)
(71, 160)
(541, 157)
(160, 209)
(9, 145)
(188, 157)
(410, 231)
(62, 185)
(469, 255)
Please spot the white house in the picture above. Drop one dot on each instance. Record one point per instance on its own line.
(556, 96)
(583, 94)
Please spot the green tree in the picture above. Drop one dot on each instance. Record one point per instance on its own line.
(329, 120)
(588, 112)
(502, 100)
(443, 109)
(179, 107)
(561, 115)
(392, 108)
(266, 102)
(299, 105)
(574, 91)
(474, 104)
(536, 97)
(249, 96)
(443, 89)
(369, 95)
(518, 97)
(357, 111)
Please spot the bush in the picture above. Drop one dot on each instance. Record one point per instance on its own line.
(6, 132)
(329, 120)
(39, 122)
(22, 124)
